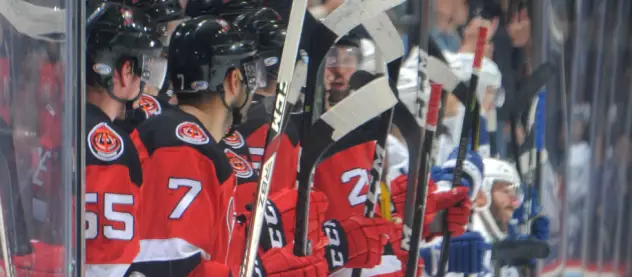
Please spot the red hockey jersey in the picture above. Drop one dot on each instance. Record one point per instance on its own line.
(255, 130)
(113, 179)
(186, 216)
(344, 178)
(236, 151)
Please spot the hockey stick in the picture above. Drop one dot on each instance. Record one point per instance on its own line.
(410, 126)
(387, 39)
(540, 116)
(386, 118)
(421, 197)
(465, 133)
(439, 72)
(421, 10)
(518, 252)
(279, 118)
(378, 159)
(492, 126)
(375, 175)
(529, 87)
(334, 124)
(342, 20)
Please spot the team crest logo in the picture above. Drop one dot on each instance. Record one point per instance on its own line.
(236, 140)
(149, 105)
(240, 166)
(105, 143)
(192, 133)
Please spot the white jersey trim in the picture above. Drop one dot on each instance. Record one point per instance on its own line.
(167, 250)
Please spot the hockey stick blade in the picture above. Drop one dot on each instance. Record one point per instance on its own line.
(279, 118)
(529, 87)
(387, 40)
(331, 127)
(343, 19)
(513, 251)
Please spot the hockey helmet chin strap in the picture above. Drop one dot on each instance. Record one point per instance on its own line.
(253, 77)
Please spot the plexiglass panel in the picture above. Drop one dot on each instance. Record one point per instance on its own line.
(36, 133)
(588, 134)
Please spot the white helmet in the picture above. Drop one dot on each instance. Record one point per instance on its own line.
(497, 170)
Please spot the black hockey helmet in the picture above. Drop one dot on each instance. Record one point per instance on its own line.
(203, 50)
(161, 10)
(205, 7)
(267, 24)
(158, 10)
(116, 34)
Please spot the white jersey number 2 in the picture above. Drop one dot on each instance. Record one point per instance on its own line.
(361, 177)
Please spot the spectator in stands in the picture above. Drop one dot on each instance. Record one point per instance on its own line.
(449, 16)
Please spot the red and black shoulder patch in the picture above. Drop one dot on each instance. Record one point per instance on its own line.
(241, 167)
(149, 105)
(192, 133)
(105, 143)
(235, 140)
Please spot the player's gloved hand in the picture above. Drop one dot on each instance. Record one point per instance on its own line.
(398, 194)
(456, 201)
(467, 253)
(280, 262)
(280, 215)
(356, 241)
(472, 176)
(458, 207)
(539, 222)
(540, 228)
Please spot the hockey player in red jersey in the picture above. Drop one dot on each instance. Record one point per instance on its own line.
(214, 68)
(166, 14)
(121, 57)
(270, 30)
(344, 176)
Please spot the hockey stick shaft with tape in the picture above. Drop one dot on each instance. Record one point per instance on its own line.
(422, 11)
(339, 22)
(332, 126)
(382, 31)
(465, 133)
(377, 169)
(432, 115)
(540, 125)
(279, 117)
